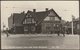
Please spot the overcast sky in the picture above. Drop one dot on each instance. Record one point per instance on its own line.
(64, 9)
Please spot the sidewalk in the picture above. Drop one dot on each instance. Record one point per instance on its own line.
(52, 41)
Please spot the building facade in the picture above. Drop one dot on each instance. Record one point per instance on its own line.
(76, 26)
(35, 22)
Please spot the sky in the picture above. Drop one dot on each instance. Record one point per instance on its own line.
(65, 9)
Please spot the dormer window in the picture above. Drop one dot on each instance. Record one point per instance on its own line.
(29, 15)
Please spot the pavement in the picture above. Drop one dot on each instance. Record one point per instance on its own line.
(39, 41)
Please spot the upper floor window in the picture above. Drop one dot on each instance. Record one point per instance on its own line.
(56, 19)
(78, 26)
(28, 15)
(28, 21)
(47, 18)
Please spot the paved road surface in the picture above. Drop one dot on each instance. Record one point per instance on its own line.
(40, 42)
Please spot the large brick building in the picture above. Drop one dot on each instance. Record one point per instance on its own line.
(35, 22)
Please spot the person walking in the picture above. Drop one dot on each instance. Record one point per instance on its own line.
(7, 33)
(63, 31)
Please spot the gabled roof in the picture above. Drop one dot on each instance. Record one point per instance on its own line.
(18, 17)
(40, 16)
(55, 14)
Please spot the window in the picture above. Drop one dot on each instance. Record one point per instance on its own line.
(47, 27)
(47, 19)
(33, 21)
(56, 19)
(32, 28)
(26, 28)
(52, 18)
(29, 20)
(28, 15)
(51, 14)
(77, 26)
(54, 25)
(24, 22)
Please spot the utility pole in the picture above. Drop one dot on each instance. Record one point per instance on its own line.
(72, 24)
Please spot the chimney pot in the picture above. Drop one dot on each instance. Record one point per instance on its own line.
(34, 10)
(46, 9)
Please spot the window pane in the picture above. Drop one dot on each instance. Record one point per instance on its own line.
(26, 28)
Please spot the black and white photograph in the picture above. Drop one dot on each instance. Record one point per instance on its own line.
(40, 25)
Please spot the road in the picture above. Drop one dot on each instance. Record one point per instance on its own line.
(40, 42)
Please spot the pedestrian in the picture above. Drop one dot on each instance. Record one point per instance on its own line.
(7, 33)
(63, 31)
(58, 33)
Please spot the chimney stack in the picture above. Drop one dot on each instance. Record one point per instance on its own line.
(46, 9)
(34, 10)
(23, 12)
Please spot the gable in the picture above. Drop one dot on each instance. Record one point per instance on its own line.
(51, 13)
(29, 20)
(43, 15)
(57, 19)
(28, 15)
(52, 17)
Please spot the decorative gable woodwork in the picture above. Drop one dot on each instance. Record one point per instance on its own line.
(29, 20)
